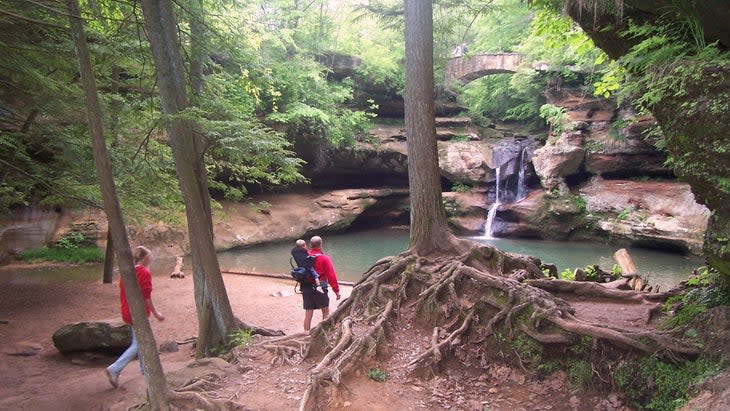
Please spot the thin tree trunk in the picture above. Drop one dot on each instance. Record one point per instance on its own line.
(429, 229)
(156, 387)
(160, 23)
(109, 258)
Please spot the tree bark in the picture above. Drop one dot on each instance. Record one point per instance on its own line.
(157, 386)
(108, 276)
(429, 229)
(210, 291)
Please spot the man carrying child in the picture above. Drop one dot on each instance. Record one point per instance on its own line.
(324, 275)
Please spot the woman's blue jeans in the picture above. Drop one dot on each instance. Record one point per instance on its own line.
(126, 357)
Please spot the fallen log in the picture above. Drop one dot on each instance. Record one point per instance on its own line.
(626, 263)
(275, 275)
(177, 271)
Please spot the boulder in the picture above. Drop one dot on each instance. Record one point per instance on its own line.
(105, 336)
(554, 162)
(464, 162)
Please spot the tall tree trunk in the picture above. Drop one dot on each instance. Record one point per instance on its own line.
(429, 229)
(206, 327)
(160, 23)
(156, 387)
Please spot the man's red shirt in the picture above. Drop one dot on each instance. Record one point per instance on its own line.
(325, 269)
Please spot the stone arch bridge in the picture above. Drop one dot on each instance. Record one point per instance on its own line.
(465, 69)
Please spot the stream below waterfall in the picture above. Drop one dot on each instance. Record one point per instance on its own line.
(354, 252)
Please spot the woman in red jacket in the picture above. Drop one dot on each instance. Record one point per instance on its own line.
(142, 257)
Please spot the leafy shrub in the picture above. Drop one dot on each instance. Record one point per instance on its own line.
(656, 385)
(460, 138)
(591, 272)
(460, 188)
(580, 203)
(624, 214)
(71, 240)
(555, 117)
(236, 338)
(580, 373)
(567, 274)
(376, 374)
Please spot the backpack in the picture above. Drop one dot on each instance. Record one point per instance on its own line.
(304, 273)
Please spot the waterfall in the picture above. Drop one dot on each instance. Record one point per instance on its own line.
(488, 233)
(521, 188)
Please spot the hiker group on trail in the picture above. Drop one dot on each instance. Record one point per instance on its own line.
(314, 273)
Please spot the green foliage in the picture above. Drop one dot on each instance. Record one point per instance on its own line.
(71, 240)
(459, 138)
(653, 384)
(687, 312)
(501, 28)
(709, 289)
(591, 272)
(506, 97)
(555, 117)
(252, 49)
(703, 278)
(260, 206)
(593, 146)
(580, 203)
(63, 254)
(610, 81)
(567, 274)
(460, 188)
(624, 214)
(238, 338)
(72, 247)
(558, 41)
(533, 354)
(376, 374)
(580, 373)
(616, 271)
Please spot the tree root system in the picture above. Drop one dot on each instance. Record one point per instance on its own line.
(460, 302)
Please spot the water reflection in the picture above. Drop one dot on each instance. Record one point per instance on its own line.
(353, 253)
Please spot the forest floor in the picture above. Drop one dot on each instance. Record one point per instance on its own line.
(51, 381)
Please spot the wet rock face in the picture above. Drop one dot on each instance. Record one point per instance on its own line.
(28, 228)
(696, 122)
(652, 212)
(663, 214)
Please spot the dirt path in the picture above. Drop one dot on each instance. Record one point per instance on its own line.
(50, 381)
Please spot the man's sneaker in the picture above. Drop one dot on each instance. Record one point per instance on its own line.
(113, 378)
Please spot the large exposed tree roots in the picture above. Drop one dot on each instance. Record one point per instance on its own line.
(463, 300)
